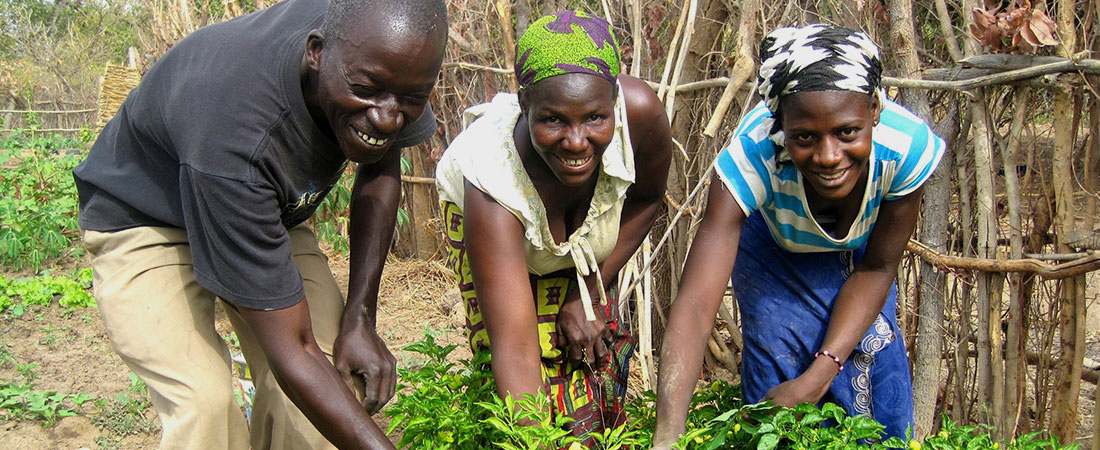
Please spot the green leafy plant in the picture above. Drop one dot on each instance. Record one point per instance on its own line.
(525, 424)
(765, 427)
(6, 357)
(26, 370)
(447, 405)
(20, 401)
(38, 201)
(70, 292)
(332, 217)
(125, 414)
(952, 436)
(437, 404)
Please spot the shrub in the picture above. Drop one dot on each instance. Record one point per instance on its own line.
(443, 405)
(70, 292)
(38, 201)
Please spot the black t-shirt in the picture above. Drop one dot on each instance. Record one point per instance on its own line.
(217, 140)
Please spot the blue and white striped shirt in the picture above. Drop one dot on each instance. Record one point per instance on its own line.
(903, 156)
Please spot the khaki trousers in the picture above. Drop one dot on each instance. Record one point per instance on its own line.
(161, 322)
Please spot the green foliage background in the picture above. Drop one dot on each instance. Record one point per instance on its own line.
(38, 200)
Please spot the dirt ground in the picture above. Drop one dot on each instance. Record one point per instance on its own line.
(70, 354)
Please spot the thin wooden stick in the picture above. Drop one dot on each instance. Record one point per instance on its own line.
(185, 11)
(469, 66)
(417, 180)
(731, 325)
(944, 17)
(695, 85)
(31, 111)
(721, 351)
(1069, 65)
(504, 12)
(678, 215)
(636, 26)
(685, 43)
(647, 276)
(743, 65)
(645, 323)
(607, 13)
(1043, 270)
(663, 87)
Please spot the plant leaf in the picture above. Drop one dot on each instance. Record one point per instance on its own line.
(1042, 28)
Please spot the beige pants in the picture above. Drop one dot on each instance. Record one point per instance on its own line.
(161, 322)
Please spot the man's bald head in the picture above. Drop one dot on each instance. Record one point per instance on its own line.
(404, 18)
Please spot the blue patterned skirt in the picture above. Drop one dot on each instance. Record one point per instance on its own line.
(785, 299)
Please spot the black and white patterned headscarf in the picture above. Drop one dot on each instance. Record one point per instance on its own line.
(817, 57)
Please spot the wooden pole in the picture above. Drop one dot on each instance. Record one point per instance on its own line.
(928, 343)
(636, 34)
(685, 44)
(504, 12)
(989, 357)
(1071, 340)
(670, 58)
(1016, 337)
(743, 64)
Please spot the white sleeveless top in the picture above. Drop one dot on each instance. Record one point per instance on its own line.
(485, 154)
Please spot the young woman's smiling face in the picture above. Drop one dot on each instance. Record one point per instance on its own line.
(571, 119)
(828, 136)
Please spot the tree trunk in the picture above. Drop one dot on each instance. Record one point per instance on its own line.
(990, 383)
(961, 412)
(989, 357)
(1015, 346)
(1092, 172)
(933, 232)
(1063, 421)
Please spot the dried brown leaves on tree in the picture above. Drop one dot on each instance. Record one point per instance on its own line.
(1018, 29)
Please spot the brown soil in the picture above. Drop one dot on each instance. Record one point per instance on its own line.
(72, 355)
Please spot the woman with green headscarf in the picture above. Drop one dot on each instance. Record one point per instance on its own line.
(546, 195)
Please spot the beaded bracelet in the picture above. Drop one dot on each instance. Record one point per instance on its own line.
(839, 363)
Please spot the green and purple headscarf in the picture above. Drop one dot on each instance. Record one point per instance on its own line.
(566, 42)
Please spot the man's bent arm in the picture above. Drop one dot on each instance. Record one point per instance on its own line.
(359, 351)
(310, 381)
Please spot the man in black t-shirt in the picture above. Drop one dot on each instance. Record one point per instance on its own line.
(199, 187)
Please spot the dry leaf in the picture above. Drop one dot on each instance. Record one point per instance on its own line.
(1029, 37)
(1043, 28)
(1021, 28)
(983, 18)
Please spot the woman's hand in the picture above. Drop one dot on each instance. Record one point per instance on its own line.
(585, 340)
(807, 388)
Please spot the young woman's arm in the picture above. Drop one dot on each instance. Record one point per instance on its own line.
(494, 244)
(859, 301)
(706, 274)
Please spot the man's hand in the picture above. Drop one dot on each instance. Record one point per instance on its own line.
(362, 359)
(586, 340)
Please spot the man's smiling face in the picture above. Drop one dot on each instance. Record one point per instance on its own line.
(371, 82)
